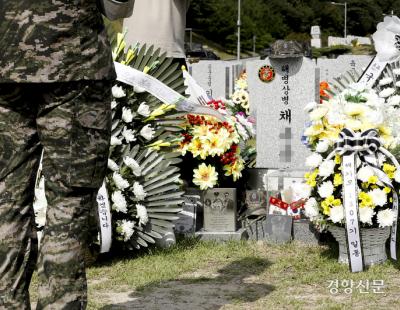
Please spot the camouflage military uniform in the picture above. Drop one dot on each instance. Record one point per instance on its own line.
(55, 79)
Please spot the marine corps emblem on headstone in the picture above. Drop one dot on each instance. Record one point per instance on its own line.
(266, 74)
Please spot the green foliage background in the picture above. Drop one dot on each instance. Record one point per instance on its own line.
(283, 19)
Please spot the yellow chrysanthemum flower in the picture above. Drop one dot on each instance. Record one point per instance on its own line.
(201, 131)
(205, 176)
(373, 179)
(365, 200)
(338, 159)
(337, 179)
(311, 180)
(314, 130)
(389, 170)
(197, 148)
(387, 190)
(215, 145)
(235, 170)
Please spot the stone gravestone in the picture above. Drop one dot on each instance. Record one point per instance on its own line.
(186, 224)
(217, 78)
(333, 68)
(316, 36)
(279, 108)
(220, 206)
(278, 228)
(332, 41)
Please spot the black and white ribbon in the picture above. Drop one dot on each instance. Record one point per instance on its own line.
(366, 146)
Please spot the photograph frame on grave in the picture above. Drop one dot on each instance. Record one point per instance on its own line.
(278, 228)
(256, 201)
(220, 210)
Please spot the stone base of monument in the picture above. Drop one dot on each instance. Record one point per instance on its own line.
(256, 230)
(221, 236)
(305, 232)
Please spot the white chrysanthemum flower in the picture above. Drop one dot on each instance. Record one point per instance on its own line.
(114, 104)
(379, 197)
(311, 209)
(336, 118)
(325, 189)
(147, 132)
(301, 191)
(326, 168)
(115, 141)
(364, 173)
(127, 115)
(133, 165)
(144, 109)
(119, 181)
(118, 91)
(394, 100)
(354, 109)
(385, 218)
(322, 146)
(142, 215)
(314, 160)
(318, 113)
(387, 92)
(126, 228)
(138, 89)
(366, 215)
(112, 165)
(385, 81)
(397, 84)
(310, 106)
(128, 134)
(119, 202)
(138, 190)
(397, 176)
(336, 214)
(375, 117)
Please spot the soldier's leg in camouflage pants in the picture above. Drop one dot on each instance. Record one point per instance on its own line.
(73, 124)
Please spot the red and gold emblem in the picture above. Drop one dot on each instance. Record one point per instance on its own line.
(266, 74)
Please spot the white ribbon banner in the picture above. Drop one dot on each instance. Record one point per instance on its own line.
(365, 146)
(133, 77)
(104, 219)
(350, 201)
(372, 73)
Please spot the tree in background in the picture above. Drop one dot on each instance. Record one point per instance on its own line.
(270, 20)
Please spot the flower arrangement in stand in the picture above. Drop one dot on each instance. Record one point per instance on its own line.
(217, 148)
(359, 110)
(143, 180)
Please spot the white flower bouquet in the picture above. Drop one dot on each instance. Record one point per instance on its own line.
(143, 180)
(359, 110)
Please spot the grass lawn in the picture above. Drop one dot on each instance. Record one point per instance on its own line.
(236, 275)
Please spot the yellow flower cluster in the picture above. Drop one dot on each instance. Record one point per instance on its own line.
(235, 170)
(209, 140)
(337, 179)
(311, 178)
(329, 202)
(365, 200)
(389, 170)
